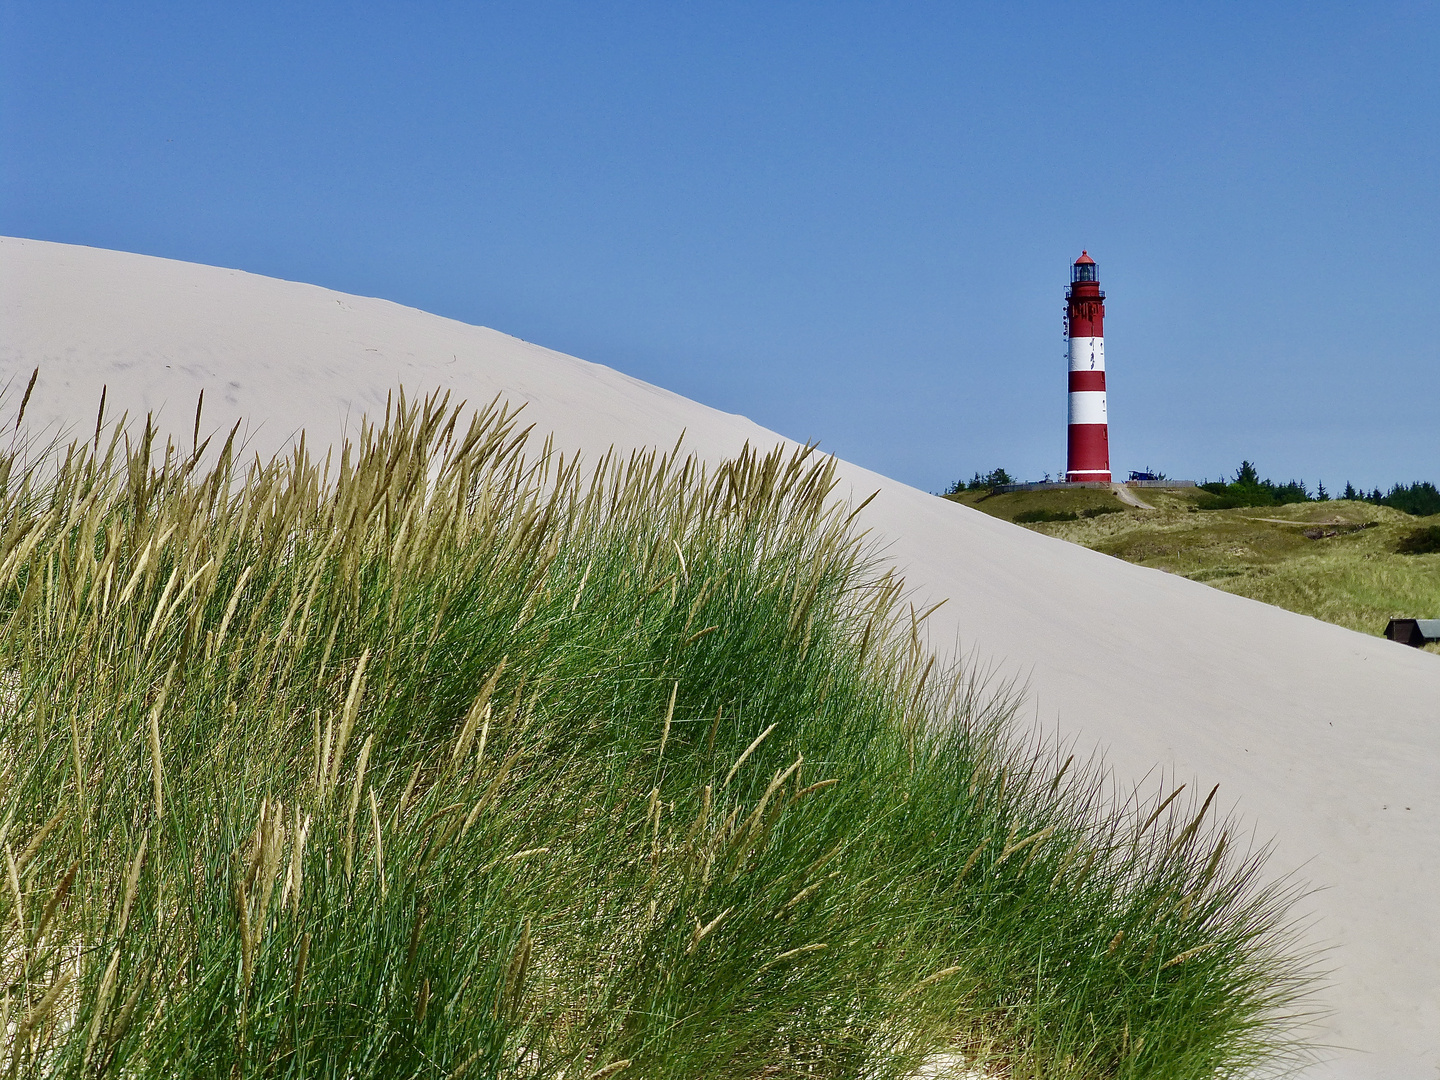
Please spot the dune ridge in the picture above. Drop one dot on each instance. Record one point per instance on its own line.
(1324, 739)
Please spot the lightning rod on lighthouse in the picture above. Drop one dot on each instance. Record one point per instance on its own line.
(1087, 436)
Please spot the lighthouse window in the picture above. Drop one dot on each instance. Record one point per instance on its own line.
(1085, 272)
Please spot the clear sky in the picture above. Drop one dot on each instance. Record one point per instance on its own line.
(850, 222)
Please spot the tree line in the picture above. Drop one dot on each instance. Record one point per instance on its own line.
(1248, 488)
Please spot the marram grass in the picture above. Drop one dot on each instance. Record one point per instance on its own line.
(434, 760)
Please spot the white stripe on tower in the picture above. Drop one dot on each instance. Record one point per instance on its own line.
(1087, 354)
(1087, 407)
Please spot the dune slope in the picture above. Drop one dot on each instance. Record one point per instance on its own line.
(1325, 740)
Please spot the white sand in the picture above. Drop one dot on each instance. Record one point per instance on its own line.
(1325, 739)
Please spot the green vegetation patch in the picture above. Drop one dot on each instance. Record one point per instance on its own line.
(1012, 505)
(1248, 489)
(1422, 541)
(1354, 563)
(1031, 517)
(452, 763)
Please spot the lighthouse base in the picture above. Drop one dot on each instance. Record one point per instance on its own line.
(1088, 452)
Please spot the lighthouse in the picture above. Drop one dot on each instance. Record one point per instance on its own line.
(1088, 438)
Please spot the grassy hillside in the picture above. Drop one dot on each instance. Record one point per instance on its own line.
(439, 762)
(1336, 560)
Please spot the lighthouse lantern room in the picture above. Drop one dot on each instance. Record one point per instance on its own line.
(1088, 438)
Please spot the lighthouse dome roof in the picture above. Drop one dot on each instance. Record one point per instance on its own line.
(1084, 258)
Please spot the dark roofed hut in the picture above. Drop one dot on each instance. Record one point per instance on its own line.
(1416, 632)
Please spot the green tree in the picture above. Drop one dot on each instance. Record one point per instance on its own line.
(1420, 498)
(1249, 489)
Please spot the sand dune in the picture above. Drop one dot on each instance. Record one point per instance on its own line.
(1326, 740)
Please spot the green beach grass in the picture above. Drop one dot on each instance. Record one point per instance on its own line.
(434, 760)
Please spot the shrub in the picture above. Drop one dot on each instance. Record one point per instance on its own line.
(993, 479)
(1248, 489)
(1031, 517)
(1424, 541)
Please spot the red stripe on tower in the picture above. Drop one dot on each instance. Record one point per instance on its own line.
(1088, 435)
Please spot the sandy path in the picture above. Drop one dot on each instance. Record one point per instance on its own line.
(1129, 498)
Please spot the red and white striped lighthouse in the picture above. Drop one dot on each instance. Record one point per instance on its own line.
(1088, 436)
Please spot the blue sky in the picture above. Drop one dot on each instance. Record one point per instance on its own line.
(851, 222)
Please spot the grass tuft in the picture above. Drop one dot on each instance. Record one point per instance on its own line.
(441, 760)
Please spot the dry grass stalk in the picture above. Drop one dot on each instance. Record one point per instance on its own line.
(102, 1002)
(790, 954)
(13, 878)
(347, 718)
(701, 932)
(302, 959)
(943, 973)
(37, 1015)
(56, 899)
(748, 751)
(132, 885)
(610, 1070)
(247, 940)
(1034, 838)
(479, 710)
(970, 862)
(295, 876)
(271, 850)
(355, 790)
(157, 764)
(32, 848)
(669, 715)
